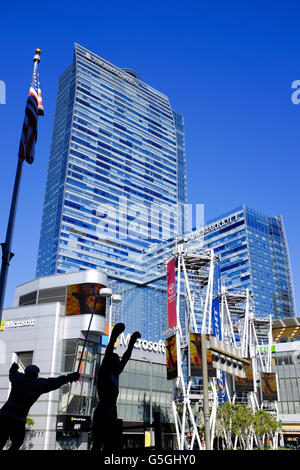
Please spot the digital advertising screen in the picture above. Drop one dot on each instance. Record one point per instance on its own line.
(245, 384)
(81, 299)
(269, 386)
(196, 357)
(171, 357)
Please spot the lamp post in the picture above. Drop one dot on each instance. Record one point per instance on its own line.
(150, 399)
(114, 298)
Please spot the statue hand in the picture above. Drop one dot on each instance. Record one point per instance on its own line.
(136, 335)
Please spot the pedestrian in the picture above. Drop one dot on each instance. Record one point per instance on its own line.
(25, 390)
(106, 431)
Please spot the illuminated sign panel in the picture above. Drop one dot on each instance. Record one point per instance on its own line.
(196, 356)
(81, 299)
(269, 386)
(171, 357)
(245, 384)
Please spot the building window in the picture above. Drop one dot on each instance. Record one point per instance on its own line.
(79, 397)
(54, 294)
(24, 359)
(28, 299)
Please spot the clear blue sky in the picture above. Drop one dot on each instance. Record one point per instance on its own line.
(226, 66)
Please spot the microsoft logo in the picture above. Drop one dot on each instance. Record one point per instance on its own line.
(16, 323)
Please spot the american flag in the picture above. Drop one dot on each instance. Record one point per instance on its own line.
(34, 108)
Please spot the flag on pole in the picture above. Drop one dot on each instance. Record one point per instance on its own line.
(34, 108)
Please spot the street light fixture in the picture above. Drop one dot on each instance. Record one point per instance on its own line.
(114, 298)
(151, 417)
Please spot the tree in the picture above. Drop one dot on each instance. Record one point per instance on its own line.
(242, 421)
(224, 416)
(265, 425)
(29, 421)
(239, 423)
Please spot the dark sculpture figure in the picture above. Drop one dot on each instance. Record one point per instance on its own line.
(25, 391)
(105, 432)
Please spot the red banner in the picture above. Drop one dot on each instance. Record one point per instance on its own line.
(171, 287)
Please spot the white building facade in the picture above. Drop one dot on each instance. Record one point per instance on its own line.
(47, 326)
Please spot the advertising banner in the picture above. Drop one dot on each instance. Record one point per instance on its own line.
(245, 384)
(221, 388)
(171, 288)
(86, 364)
(216, 318)
(171, 357)
(196, 357)
(81, 299)
(269, 386)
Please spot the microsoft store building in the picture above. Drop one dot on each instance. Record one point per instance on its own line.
(47, 326)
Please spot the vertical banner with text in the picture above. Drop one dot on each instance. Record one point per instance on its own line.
(171, 288)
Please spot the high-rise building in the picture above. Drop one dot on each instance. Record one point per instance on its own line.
(253, 255)
(116, 201)
(116, 182)
(116, 178)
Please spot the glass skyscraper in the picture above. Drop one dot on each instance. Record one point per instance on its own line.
(116, 200)
(254, 255)
(116, 180)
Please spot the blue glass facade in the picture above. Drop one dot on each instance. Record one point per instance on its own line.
(116, 179)
(116, 200)
(254, 255)
(53, 202)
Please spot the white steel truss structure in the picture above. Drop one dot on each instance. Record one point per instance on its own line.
(238, 331)
(195, 278)
(256, 341)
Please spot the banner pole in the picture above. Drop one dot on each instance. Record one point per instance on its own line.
(205, 392)
(6, 247)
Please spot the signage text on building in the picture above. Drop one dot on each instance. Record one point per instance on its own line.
(7, 324)
(212, 227)
(111, 69)
(143, 344)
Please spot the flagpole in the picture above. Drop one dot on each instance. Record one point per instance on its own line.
(6, 247)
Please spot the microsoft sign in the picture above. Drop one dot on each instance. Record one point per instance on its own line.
(8, 324)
